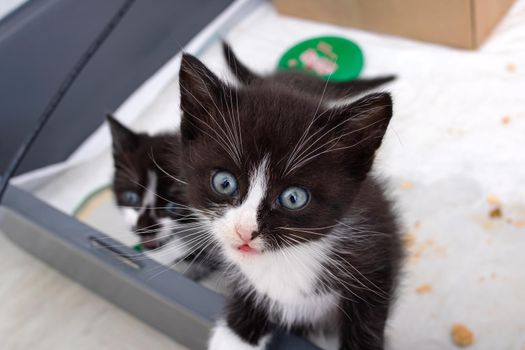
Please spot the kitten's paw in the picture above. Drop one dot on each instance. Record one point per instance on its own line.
(223, 338)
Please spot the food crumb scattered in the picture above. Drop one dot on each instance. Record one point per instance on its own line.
(456, 131)
(493, 275)
(424, 288)
(505, 120)
(488, 224)
(519, 223)
(406, 185)
(462, 335)
(495, 213)
(492, 199)
(409, 239)
(425, 247)
(511, 68)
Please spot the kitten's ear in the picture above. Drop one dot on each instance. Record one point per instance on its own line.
(123, 138)
(200, 95)
(363, 124)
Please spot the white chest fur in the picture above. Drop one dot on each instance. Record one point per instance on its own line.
(288, 279)
(315, 309)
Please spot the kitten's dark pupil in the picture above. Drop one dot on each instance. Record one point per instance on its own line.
(225, 183)
(171, 207)
(293, 198)
(131, 198)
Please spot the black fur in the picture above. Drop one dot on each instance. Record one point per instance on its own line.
(272, 114)
(135, 154)
(246, 318)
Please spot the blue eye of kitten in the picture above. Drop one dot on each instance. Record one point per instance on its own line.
(294, 198)
(131, 199)
(170, 207)
(224, 183)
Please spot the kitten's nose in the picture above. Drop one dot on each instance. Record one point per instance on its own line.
(149, 242)
(245, 232)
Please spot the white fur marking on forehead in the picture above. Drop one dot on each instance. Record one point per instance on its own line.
(246, 214)
(148, 199)
(258, 184)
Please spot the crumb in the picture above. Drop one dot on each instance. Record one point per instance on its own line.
(510, 67)
(482, 279)
(462, 335)
(406, 185)
(442, 251)
(456, 131)
(409, 239)
(428, 246)
(508, 221)
(488, 225)
(493, 200)
(417, 225)
(496, 213)
(519, 223)
(505, 120)
(493, 275)
(414, 258)
(424, 288)
(430, 242)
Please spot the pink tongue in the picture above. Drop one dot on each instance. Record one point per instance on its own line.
(245, 248)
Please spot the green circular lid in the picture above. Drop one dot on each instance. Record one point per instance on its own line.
(329, 57)
(138, 248)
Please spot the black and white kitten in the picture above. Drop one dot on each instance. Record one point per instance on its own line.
(150, 194)
(281, 181)
(146, 186)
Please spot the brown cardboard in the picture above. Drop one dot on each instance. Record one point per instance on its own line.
(488, 13)
(458, 23)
